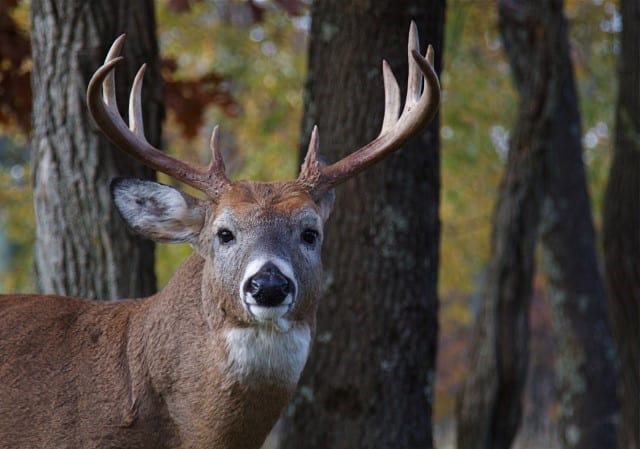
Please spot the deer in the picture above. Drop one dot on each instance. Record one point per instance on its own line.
(212, 359)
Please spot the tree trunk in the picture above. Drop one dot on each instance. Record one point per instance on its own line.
(82, 247)
(621, 236)
(585, 368)
(370, 379)
(535, 38)
(490, 406)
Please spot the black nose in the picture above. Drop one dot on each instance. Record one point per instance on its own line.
(269, 287)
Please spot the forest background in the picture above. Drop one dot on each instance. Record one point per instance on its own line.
(248, 75)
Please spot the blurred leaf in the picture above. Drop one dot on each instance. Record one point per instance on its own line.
(293, 7)
(17, 231)
(188, 99)
(15, 56)
(180, 5)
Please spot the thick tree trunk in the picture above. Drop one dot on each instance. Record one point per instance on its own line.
(82, 247)
(369, 381)
(621, 237)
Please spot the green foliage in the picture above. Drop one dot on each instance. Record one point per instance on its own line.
(15, 65)
(478, 99)
(264, 63)
(17, 230)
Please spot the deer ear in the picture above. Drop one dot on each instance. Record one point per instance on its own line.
(325, 203)
(158, 212)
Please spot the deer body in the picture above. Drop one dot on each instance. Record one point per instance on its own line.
(212, 359)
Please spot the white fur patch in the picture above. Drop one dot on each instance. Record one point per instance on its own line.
(267, 352)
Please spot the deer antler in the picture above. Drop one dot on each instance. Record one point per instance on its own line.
(131, 139)
(421, 105)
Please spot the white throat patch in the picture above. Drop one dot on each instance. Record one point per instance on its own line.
(267, 352)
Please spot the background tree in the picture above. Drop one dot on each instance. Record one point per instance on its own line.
(490, 407)
(369, 382)
(82, 246)
(536, 42)
(586, 356)
(621, 232)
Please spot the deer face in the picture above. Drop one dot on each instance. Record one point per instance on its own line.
(261, 243)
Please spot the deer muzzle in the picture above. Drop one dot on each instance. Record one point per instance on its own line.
(269, 287)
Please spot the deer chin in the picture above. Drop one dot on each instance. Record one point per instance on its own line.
(270, 316)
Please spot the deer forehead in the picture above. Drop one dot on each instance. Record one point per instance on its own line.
(254, 204)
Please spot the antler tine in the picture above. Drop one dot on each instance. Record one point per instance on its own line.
(414, 81)
(136, 123)
(216, 168)
(312, 163)
(392, 100)
(101, 99)
(421, 105)
(109, 89)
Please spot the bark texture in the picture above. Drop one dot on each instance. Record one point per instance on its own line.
(369, 380)
(621, 235)
(82, 247)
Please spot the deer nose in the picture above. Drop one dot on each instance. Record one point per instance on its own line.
(269, 287)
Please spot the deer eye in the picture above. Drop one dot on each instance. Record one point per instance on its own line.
(225, 236)
(309, 236)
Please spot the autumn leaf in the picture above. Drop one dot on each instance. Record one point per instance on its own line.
(180, 5)
(15, 87)
(188, 99)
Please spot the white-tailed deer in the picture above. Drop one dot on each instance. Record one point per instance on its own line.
(211, 360)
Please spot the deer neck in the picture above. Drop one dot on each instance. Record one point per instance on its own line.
(215, 372)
